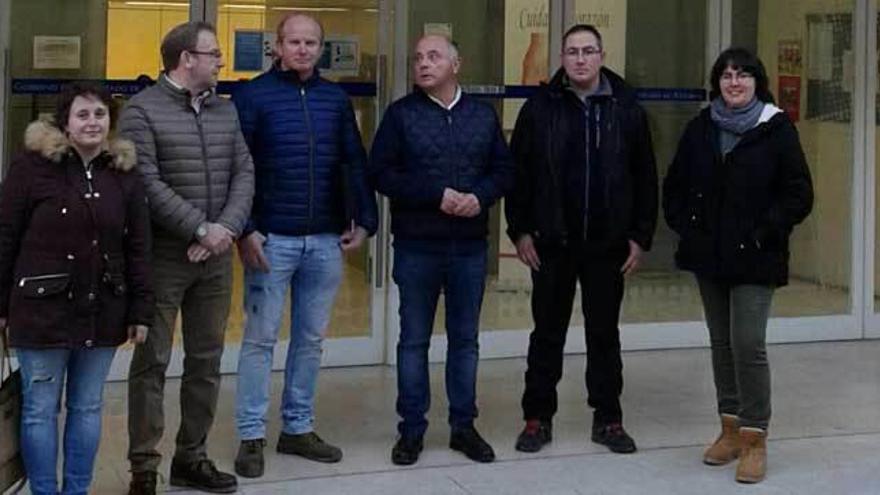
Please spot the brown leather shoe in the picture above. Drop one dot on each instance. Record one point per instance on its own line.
(753, 459)
(726, 447)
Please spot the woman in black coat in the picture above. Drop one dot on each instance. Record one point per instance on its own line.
(74, 278)
(738, 185)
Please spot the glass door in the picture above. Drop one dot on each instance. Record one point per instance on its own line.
(351, 34)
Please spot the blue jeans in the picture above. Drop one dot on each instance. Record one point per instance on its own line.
(43, 378)
(311, 266)
(421, 276)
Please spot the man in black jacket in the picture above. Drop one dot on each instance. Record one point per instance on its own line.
(440, 156)
(584, 208)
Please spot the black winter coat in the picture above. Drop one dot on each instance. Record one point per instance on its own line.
(734, 214)
(550, 132)
(74, 268)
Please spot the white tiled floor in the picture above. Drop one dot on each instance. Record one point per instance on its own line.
(824, 433)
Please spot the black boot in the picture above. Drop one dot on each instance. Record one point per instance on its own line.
(406, 451)
(471, 444)
(202, 475)
(534, 436)
(249, 462)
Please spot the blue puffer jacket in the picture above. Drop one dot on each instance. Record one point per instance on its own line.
(422, 148)
(309, 161)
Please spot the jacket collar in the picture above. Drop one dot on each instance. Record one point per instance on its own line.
(182, 94)
(44, 138)
(293, 77)
(619, 89)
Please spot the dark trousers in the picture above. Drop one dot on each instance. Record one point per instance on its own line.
(737, 319)
(421, 277)
(554, 287)
(201, 292)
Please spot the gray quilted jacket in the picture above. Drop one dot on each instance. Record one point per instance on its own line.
(196, 166)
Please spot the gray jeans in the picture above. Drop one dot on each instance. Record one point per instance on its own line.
(201, 292)
(737, 319)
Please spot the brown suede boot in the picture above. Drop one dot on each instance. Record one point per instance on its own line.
(753, 459)
(726, 447)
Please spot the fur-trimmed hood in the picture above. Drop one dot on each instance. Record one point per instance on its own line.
(44, 138)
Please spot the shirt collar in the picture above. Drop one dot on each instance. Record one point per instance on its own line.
(454, 99)
(195, 101)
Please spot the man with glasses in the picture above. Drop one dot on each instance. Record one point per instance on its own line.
(584, 210)
(199, 180)
(312, 204)
(440, 156)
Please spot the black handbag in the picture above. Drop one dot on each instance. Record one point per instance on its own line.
(11, 465)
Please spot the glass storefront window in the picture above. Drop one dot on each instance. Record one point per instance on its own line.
(807, 48)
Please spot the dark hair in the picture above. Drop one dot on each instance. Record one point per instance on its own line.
(743, 60)
(87, 89)
(582, 28)
(183, 37)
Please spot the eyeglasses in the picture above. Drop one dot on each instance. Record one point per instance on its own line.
(586, 51)
(729, 77)
(213, 53)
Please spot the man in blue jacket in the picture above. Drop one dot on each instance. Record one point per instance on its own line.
(440, 156)
(311, 199)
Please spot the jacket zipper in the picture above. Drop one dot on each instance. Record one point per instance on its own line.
(590, 113)
(198, 117)
(302, 97)
(51, 276)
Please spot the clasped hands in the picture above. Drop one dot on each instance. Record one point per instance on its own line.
(459, 204)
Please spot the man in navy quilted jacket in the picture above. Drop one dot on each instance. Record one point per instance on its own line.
(440, 156)
(312, 198)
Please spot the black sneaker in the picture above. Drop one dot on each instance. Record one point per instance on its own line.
(613, 436)
(142, 483)
(406, 451)
(249, 462)
(202, 475)
(308, 445)
(471, 444)
(534, 436)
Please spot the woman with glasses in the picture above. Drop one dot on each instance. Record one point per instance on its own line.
(737, 186)
(74, 278)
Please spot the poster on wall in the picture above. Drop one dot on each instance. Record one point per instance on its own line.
(790, 57)
(441, 28)
(341, 56)
(57, 52)
(254, 50)
(790, 96)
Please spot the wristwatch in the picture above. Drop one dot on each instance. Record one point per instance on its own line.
(201, 230)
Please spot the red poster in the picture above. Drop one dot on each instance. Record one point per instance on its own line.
(790, 96)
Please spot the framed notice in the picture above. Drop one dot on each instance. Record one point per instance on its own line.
(341, 56)
(57, 52)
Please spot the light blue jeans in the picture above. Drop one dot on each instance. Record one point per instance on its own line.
(311, 266)
(43, 379)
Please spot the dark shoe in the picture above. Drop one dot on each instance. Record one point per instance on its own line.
(534, 436)
(142, 483)
(249, 462)
(613, 436)
(406, 451)
(310, 446)
(202, 475)
(471, 444)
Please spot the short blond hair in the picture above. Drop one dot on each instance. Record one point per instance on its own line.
(279, 31)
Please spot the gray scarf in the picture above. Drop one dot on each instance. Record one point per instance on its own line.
(734, 122)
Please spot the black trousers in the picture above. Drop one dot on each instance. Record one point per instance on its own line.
(598, 271)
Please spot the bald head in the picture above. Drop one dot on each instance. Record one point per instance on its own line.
(299, 44)
(300, 18)
(439, 39)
